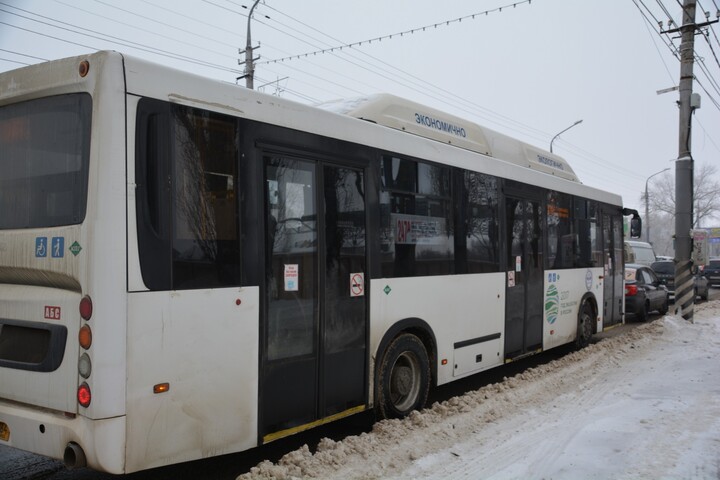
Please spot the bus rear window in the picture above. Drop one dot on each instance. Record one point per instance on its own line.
(44, 151)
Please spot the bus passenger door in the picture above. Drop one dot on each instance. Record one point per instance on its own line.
(613, 294)
(524, 291)
(315, 315)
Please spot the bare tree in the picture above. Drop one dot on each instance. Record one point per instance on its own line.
(661, 194)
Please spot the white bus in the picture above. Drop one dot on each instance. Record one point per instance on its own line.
(189, 268)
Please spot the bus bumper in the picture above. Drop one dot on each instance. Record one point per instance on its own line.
(48, 433)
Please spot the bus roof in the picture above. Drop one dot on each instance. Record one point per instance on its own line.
(407, 116)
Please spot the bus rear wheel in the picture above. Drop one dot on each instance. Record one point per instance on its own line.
(585, 325)
(404, 377)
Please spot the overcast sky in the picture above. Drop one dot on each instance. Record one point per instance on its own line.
(528, 71)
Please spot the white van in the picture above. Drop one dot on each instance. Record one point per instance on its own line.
(639, 252)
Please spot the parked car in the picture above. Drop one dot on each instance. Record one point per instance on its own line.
(712, 271)
(665, 271)
(643, 292)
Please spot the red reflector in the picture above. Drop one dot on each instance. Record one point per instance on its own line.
(630, 290)
(86, 308)
(83, 395)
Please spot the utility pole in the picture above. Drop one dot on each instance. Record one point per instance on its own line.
(684, 285)
(249, 65)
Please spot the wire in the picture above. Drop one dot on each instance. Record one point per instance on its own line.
(24, 55)
(15, 61)
(398, 34)
(667, 13)
(104, 37)
(204, 37)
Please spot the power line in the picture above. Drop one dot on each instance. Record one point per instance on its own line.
(24, 55)
(204, 37)
(15, 61)
(104, 37)
(398, 34)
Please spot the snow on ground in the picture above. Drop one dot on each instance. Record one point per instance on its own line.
(644, 404)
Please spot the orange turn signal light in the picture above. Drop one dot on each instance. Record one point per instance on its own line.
(85, 337)
(161, 387)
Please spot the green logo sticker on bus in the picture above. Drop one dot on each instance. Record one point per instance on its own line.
(387, 289)
(75, 248)
(552, 300)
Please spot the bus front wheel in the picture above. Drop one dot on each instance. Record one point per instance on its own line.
(404, 377)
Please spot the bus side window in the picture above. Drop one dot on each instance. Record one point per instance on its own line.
(205, 245)
(481, 222)
(416, 219)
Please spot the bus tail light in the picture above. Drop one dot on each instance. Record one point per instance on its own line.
(86, 308)
(83, 395)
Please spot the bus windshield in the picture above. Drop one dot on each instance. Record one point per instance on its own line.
(44, 152)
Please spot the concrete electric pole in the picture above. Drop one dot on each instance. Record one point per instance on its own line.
(684, 285)
(249, 74)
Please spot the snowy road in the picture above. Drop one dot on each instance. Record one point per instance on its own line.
(645, 404)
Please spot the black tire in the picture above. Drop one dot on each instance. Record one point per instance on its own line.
(403, 377)
(586, 317)
(642, 315)
(665, 306)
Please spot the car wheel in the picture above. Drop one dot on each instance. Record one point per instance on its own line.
(665, 306)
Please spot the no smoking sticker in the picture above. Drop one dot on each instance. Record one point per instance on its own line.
(357, 284)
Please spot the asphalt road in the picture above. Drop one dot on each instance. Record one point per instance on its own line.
(17, 465)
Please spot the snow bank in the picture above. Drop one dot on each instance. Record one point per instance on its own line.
(644, 404)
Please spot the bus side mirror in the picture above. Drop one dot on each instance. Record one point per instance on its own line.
(635, 222)
(635, 227)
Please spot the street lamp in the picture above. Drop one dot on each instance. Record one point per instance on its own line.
(568, 128)
(647, 214)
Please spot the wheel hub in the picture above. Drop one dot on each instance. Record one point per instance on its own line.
(402, 380)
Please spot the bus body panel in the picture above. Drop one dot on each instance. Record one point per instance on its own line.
(478, 311)
(104, 248)
(83, 259)
(91, 256)
(203, 343)
(564, 290)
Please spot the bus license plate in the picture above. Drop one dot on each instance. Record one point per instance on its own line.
(4, 432)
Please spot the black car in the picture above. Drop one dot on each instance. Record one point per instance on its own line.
(712, 271)
(665, 271)
(643, 292)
